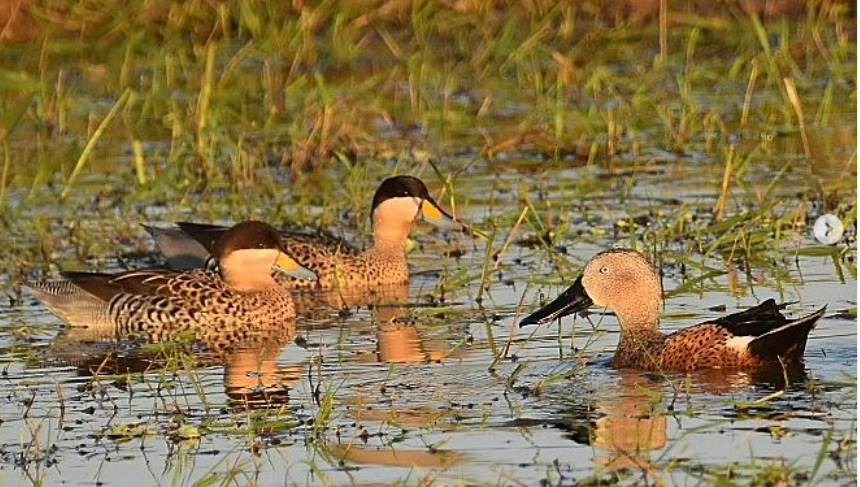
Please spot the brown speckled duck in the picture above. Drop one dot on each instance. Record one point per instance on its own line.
(625, 282)
(397, 203)
(158, 303)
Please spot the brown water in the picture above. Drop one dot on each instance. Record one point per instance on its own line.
(412, 392)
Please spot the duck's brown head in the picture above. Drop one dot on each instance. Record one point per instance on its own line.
(619, 279)
(248, 253)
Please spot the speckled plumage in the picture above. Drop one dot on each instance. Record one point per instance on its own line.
(159, 303)
(335, 262)
(338, 264)
(166, 303)
(397, 203)
(624, 281)
(198, 300)
(698, 347)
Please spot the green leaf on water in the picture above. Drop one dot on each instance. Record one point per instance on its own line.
(187, 432)
(127, 431)
(820, 251)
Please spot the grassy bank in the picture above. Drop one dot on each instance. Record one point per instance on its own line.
(188, 93)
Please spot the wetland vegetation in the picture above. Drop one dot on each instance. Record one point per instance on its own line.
(709, 139)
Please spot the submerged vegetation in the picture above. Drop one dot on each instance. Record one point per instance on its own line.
(708, 137)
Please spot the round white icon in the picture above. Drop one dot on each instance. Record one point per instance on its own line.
(828, 229)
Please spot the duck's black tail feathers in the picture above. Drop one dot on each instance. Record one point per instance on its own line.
(787, 341)
(755, 321)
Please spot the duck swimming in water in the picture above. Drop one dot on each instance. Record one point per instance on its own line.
(397, 204)
(158, 303)
(625, 282)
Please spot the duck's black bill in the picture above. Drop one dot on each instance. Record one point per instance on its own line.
(572, 300)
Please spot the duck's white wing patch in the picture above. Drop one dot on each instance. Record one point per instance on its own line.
(739, 343)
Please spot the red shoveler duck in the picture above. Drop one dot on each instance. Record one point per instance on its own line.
(625, 282)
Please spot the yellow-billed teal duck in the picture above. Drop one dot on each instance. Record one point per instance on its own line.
(397, 204)
(625, 282)
(158, 303)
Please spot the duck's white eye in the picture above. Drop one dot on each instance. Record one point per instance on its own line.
(604, 270)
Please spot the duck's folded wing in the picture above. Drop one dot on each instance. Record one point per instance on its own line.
(301, 244)
(208, 235)
(180, 249)
(765, 334)
(755, 321)
(106, 286)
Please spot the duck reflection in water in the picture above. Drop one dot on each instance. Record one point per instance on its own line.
(249, 355)
(398, 337)
(633, 423)
(632, 414)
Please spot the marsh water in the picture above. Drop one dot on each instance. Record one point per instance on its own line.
(435, 383)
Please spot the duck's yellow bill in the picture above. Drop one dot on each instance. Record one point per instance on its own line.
(435, 215)
(287, 265)
(430, 212)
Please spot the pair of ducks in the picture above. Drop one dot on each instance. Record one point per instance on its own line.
(245, 289)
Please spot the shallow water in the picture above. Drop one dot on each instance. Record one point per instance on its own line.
(411, 392)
